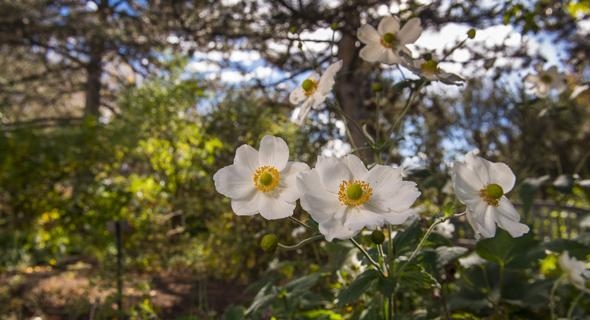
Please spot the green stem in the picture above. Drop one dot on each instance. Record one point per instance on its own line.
(301, 243)
(366, 254)
(421, 243)
(570, 311)
(301, 223)
(391, 297)
(552, 297)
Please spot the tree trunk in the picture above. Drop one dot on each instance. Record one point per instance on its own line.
(352, 89)
(93, 78)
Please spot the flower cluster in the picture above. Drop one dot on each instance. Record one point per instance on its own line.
(341, 195)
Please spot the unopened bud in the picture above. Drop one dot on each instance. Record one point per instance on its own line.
(293, 29)
(334, 26)
(471, 33)
(269, 242)
(376, 86)
(377, 237)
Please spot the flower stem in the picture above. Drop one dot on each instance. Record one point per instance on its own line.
(570, 312)
(552, 297)
(301, 243)
(301, 223)
(369, 258)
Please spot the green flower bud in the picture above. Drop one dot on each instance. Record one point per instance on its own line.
(293, 29)
(377, 237)
(269, 242)
(471, 33)
(334, 26)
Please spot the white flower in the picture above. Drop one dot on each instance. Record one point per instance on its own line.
(342, 196)
(481, 185)
(388, 42)
(261, 182)
(575, 270)
(544, 81)
(313, 91)
(430, 70)
(445, 229)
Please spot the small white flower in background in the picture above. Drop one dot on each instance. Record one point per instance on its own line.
(351, 267)
(388, 43)
(261, 181)
(430, 70)
(481, 185)
(575, 271)
(313, 91)
(343, 197)
(445, 229)
(578, 90)
(471, 260)
(544, 81)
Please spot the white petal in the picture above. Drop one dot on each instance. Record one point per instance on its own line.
(233, 183)
(335, 228)
(355, 165)
(514, 228)
(466, 182)
(398, 197)
(329, 75)
(506, 209)
(318, 202)
(410, 32)
(297, 96)
(388, 24)
(274, 208)
(358, 218)
(318, 99)
(332, 172)
(367, 34)
(373, 53)
(488, 223)
(246, 207)
(289, 191)
(381, 174)
(273, 152)
(542, 90)
(501, 174)
(303, 111)
(247, 157)
(397, 218)
(390, 57)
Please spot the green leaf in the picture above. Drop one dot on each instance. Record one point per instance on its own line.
(357, 287)
(264, 297)
(510, 252)
(406, 240)
(415, 277)
(234, 313)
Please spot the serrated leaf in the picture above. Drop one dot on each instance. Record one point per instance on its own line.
(415, 277)
(508, 251)
(575, 248)
(357, 287)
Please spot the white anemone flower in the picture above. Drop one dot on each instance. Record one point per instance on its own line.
(481, 185)
(576, 271)
(313, 91)
(388, 43)
(261, 181)
(343, 197)
(542, 83)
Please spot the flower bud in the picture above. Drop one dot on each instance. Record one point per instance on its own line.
(293, 29)
(334, 26)
(377, 237)
(269, 242)
(471, 33)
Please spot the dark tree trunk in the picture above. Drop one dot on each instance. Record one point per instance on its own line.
(93, 78)
(352, 88)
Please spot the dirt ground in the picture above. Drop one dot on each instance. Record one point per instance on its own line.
(80, 292)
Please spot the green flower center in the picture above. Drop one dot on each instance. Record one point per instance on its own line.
(266, 178)
(389, 40)
(309, 86)
(430, 67)
(353, 193)
(492, 194)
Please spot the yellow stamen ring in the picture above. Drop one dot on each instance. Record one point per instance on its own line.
(492, 194)
(266, 178)
(353, 193)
